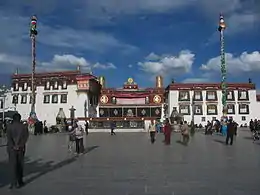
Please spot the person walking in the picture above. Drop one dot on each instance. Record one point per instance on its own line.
(79, 133)
(112, 127)
(72, 137)
(152, 131)
(17, 136)
(185, 133)
(230, 132)
(167, 132)
(86, 127)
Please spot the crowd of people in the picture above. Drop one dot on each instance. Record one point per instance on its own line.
(226, 127)
(167, 130)
(17, 136)
(219, 127)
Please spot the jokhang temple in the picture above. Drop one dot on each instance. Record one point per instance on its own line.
(130, 105)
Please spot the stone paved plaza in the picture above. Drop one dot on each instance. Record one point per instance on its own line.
(127, 164)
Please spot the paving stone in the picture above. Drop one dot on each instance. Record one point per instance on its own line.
(128, 164)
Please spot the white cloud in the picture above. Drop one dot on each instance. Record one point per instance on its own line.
(130, 66)
(104, 66)
(240, 22)
(65, 62)
(152, 56)
(196, 80)
(15, 47)
(82, 40)
(15, 38)
(9, 63)
(170, 65)
(246, 62)
(70, 62)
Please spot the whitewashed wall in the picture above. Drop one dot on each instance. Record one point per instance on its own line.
(254, 107)
(49, 111)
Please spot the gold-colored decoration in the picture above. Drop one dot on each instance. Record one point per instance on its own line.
(159, 82)
(130, 80)
(104, 99)
(102, 81)
(157, 99)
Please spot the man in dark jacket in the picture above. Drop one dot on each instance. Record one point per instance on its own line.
(17, 136)
(230, 131)
(86, 127)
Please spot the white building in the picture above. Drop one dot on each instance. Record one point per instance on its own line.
(5, 102)
(206, 101)
(55, 92)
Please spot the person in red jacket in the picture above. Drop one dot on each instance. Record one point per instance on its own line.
(167, 132)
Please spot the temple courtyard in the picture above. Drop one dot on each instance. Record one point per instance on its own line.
(127, 164)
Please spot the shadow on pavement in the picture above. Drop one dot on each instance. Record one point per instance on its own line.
(37, 167)
(248, 137)
(219, 141)
(180, 142)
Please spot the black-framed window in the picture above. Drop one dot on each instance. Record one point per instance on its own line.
(1, 104)
(46, 99)
(25, 87)
(198, 110)
(197, 96)
(47, 85)
(16, 86)
(211, 96)
(115, 112)
(55, 85)
(129, 112)
(184, 95)
(203, 119)
(184, 109)
(15, 99)
(243, 118)
(103, 112)
(230, 95)
(23, 99)
(30, 101)
(64, 84)
(243, 95)
(54, 99)
(243, 108)
(231, 109)
(212, 109)
(214, 118)
(63, 98)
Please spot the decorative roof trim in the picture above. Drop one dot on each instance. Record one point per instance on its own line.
(207, 86)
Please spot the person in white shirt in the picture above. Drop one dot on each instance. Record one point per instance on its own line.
(152, 131)
(79, 133)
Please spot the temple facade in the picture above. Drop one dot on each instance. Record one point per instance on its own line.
(73, 94)
(130, 106)
(70, 94)
(204, 101)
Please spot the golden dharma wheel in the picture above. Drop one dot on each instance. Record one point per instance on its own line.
(157, 99)
(103, 99)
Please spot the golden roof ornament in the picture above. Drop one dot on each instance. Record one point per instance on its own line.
(130, 81)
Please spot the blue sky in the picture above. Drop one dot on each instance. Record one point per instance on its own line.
(139, 38)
